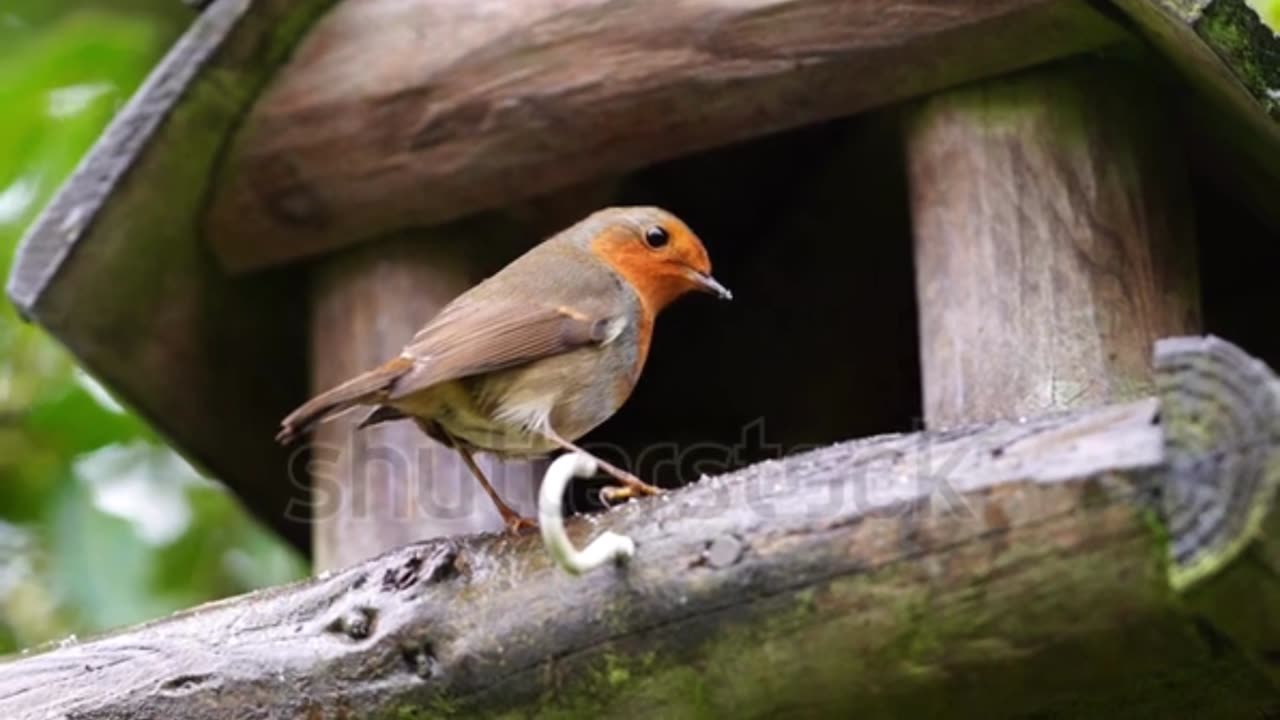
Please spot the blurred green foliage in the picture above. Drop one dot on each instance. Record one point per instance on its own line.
(100, 523)
(1269, 10)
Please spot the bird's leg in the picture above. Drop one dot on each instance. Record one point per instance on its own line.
(512, 519)
(631, 485)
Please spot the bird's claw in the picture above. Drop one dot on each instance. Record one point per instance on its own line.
(517, 524)
(613, 494)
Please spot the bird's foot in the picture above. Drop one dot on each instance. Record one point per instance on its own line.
(631, 487)
(516, 524)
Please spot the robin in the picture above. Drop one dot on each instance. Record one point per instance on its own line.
(537, 355)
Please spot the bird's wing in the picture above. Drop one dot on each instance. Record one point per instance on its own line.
(482, 336)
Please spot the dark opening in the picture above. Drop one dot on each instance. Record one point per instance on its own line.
(811, 231)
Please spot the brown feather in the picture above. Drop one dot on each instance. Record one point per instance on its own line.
(379, 415)
(360, 389)
(533, 333)
(482, 337)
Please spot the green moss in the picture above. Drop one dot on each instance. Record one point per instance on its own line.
(438, 708)
(1251, 49)
(1032, 631)
(616, 672)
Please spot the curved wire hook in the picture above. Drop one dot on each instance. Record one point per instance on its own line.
(609, 547)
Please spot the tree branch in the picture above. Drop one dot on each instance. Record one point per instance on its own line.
(1015, 568)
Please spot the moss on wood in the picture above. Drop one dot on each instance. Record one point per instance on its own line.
(1251, 48)
(1004, 570)
(1232, 60)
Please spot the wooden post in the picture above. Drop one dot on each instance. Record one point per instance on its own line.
(389, 485)
(1053, 241)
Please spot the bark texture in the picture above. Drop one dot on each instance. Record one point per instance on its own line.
(1010, 569)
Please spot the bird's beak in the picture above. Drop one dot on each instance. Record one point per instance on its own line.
(708, 284)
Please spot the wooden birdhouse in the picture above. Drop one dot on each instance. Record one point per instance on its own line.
(967, 221)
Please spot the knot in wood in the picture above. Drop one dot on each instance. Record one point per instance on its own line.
(420, 659)
(187, 684)
(440, 566)
(287, 194)
(723, 551)
(356, 624)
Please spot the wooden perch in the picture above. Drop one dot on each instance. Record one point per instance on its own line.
(1013, 569)
(404, 112)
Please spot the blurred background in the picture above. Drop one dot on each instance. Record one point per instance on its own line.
(100, 523)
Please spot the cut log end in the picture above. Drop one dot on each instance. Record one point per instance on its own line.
(1003, 569)
(1220, 410)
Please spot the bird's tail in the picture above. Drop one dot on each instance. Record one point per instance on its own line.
(364, 389)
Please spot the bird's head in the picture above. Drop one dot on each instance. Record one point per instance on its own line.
(656, 253)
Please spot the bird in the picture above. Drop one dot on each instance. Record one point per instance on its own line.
(538, 354)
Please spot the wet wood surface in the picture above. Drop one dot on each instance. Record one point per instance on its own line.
(1009, 569)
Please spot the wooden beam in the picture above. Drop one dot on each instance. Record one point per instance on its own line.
(1013, 569)
(405, 112)
(114, 270)
(1054, 241)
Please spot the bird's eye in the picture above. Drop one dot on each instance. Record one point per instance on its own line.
(656, 237)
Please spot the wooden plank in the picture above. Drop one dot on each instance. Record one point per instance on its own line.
(1008, 570)
(405, 112)
(114, 269)
(1054, 241)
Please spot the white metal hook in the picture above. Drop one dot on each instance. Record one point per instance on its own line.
(609, 547)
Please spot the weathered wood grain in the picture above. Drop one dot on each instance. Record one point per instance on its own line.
(114, 269)
(388, 485)
(1010, 570)
(1054, 241)
(404, 112)
(1221, 411)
